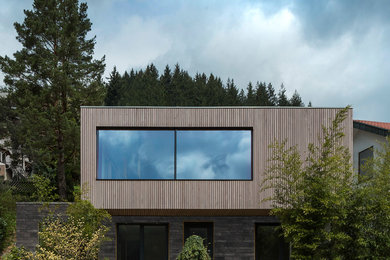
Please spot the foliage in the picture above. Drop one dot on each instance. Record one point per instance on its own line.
(3, 229)
(369, 210)
(193, 249)
(7, 218)
(78, 235)
(311, 196)
(46, 82)
(83, 211)
(69, 239)
(178, 88)
(17, 253)
(44, 190)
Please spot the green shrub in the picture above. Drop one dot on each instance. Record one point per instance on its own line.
(7, 219)
(44, 190)
(3, 229)
(83, 210)
(194, 249)
(16, 253)
(76, 236)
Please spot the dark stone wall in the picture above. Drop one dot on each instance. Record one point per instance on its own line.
(234, 237)
(28, 216)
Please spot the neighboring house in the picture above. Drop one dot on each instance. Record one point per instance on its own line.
(7, 170)
(367, 137)
(167, 173)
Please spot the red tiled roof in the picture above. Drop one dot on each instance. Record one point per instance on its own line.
(376, 124)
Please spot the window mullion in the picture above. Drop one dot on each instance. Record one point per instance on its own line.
(175, 151)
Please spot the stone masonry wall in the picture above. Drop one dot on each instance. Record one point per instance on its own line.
(28, 216)
(234, 237)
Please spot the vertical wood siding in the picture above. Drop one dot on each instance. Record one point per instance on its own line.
(300, 126)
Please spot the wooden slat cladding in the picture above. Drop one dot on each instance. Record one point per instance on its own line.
(299, 126)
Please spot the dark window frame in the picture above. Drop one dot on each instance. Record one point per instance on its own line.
(200, 223)
(142, 226)
(359, 160)
(269, 224)
(175, 129)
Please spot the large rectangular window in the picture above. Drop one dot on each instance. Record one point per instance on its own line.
(181, 154)
(269, 243)
(142, 242)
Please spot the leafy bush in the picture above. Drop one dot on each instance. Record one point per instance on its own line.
(69, 239)
(194, 249)
(325, 211)
(7, 218)
(78, 235)
(3, 229)
(311, 195)
(44, 190)
(82, 210)
(17, 253)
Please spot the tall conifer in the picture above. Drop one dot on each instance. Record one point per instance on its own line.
(48, 80)
(113, 89)
(282, 98)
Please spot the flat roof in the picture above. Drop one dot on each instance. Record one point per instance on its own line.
(192, 107)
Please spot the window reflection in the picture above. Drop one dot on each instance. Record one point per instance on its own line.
(214, 154)
(150, 154)
(135, 154)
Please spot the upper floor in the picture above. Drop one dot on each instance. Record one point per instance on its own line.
(180, 160)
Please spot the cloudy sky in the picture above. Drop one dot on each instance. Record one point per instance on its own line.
(333, 52)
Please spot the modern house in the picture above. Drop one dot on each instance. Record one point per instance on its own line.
(367, 138)
(165, 173)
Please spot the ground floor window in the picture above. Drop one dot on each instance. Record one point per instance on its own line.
(142, 242)
(202, 229)
(269, 243)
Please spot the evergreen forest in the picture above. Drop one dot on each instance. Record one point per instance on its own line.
(177, 88)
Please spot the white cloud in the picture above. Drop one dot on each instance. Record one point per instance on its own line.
(192, 166)
(136, 43)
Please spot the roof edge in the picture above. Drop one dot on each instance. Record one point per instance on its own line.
(370, 128)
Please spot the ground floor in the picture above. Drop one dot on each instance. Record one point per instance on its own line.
(151, 237)
(162, 237)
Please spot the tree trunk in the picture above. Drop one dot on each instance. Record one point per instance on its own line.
(61, 168)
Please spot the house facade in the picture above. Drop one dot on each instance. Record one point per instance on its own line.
(165, 173)
(368, 137)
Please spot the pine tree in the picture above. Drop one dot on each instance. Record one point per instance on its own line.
(262, 98)
(48, 80)
(113, 89)
(166, 82)
(200, 86)
(296, 100)
(231, 94)
(272, 99)
(241, 98)
(154, 91)
(282, 98)
(251, 96)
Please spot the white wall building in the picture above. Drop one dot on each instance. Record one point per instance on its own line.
(367, 138)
